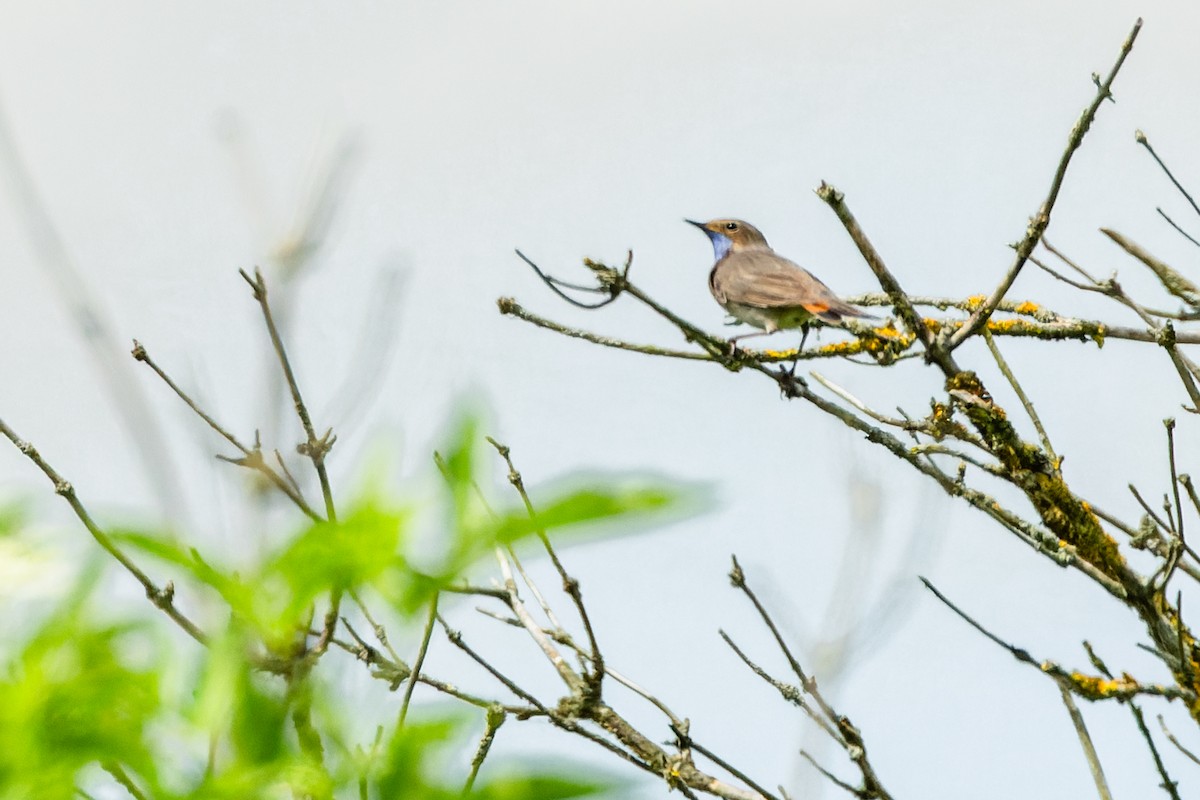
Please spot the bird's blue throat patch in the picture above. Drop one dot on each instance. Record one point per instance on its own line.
(720, 242)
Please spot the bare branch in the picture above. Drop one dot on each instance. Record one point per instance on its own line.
(1024, 398)
(162, 598)
(315, 448)
(419, 662)
(1141, 139)
(1039, 223)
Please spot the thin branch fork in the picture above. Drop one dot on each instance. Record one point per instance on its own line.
(252, 457)
(315, 447)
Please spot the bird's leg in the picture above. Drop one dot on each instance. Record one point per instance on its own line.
(800, 349)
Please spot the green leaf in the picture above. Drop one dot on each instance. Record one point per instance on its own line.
(589, 505)
(409, 754)
(70, 698)
(625, 505)
(355, 551)
(543, 785)
(457, 462)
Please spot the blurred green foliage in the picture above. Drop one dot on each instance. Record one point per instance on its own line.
(82, 696)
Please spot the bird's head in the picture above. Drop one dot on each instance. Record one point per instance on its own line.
(730, 235)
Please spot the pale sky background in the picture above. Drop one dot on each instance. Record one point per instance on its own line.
(584, 129)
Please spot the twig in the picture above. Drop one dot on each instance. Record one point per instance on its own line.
(1168, 785)
(533, 588)
(564, 638)
(1024, 398)
(559, 719)
(1144, 142)
(164, 598)
(555, 285)
(379, 631)
(738, 578)
(456, 639)
(848, 736)
(568, 675)
(1168, 276)
(1174, 225)
(685, 739)
(838, 782)
(252, 458)
(315, 448)
(1090, 688)
(903, 306)
(495, 718)
(792, 694)
(570, 585)
(122, 777)
(511, 307)
(419, 662)
(1163, 335)
(1149, 511)
(1171, 738)
(1186, 481)
(1169, 424)
(1037, 226)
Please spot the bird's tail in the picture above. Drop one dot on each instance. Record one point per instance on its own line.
(836, 311)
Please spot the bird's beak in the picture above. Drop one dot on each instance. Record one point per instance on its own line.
(699, 225)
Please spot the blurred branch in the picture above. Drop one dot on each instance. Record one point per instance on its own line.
(1171, 279)
(121, 776)
(1085, 741)
(86, 311)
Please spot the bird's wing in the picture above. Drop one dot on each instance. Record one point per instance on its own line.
(763, 279)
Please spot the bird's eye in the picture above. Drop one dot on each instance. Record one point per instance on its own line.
(731, 226)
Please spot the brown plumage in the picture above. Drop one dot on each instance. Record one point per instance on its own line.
(758, 286)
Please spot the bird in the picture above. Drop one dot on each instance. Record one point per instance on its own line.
(759, 287)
